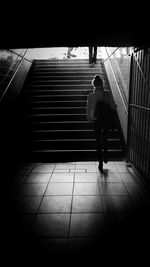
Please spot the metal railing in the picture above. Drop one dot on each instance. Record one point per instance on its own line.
(11, 71)
(139, 113)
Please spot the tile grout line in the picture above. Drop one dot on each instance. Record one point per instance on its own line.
(70, 211)
(36, 213)
(103, 210)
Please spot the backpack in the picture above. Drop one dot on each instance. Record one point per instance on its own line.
(105, 114)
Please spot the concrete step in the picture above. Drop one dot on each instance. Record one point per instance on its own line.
(56, 110)
(73, 134)
(66, 61)
(70, 155)
(59, 104)
(74, 144)
(49, 97)
(64, 81)
(56, 117)
(62, 77)
(53, 104)
(64, 73)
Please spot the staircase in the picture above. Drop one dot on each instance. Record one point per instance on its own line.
(53, 103)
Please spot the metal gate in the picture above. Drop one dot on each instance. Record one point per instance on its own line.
(139, 113)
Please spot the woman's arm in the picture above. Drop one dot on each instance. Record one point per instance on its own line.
(111, 101)
(89, 109)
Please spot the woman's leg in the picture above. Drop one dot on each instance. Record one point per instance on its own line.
(94, 54)
(90, 54)
(69, 51)
(105, 135)
(98, 135)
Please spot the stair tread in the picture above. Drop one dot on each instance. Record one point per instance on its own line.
(55, 92)
(76, 130)
(63, 122)
(60, 101)
(74, 139)
(73, 150)
(38, 108)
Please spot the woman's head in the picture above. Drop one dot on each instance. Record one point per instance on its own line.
(97, 81)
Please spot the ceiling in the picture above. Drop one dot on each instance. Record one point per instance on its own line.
(62, 25)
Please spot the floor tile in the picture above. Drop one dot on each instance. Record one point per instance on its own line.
(22, 172)
(86, 177)
(32, 189)
(55, 204)
(117, 203)
(79, 170)
(66, 204)
(135, 189)
(88, 167)
(86, 162)
(52, 247)
(111, 218)
(51, 225)
(62, 178)
(59, 189)
(111, 167)
(28, 204)
(128, 178)
(87, 224)
(38, 178)
(60, 166)
(86, 189)
(27, 221)
(78, 246)
(141, 203)
(123, 168)
(43, 168)
(87, 204)
(28, 166)
(16, 182)
(113, 189)
(61, 170)
(112, 177)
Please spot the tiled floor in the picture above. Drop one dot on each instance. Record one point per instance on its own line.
(72, 209)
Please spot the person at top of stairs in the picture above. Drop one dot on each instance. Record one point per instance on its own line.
(69, 52)
(102, 97)
(92, 55)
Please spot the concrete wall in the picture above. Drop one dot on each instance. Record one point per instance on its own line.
(121, 107)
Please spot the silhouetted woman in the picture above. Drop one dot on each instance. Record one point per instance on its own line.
(100, 109)
(92, 54)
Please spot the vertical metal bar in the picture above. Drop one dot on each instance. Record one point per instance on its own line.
(142, 167)
(129, 139)
(137, 136)
(147, 74)
(136, 115)
(140, 152)
(145, 113)
(133, 112)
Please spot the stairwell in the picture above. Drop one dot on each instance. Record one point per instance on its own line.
(53, 105)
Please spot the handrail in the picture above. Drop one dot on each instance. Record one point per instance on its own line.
(14, 52)
(121, 94)
(139, 107)
(110, 54)
(22, 58)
